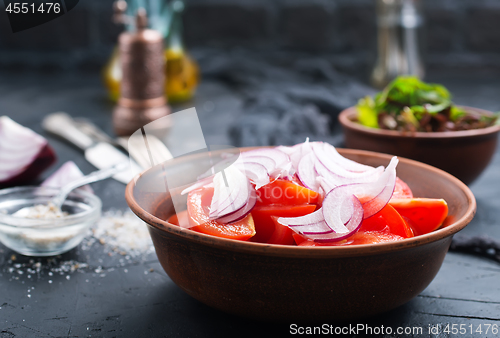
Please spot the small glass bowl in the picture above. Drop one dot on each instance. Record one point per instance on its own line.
(45, 237)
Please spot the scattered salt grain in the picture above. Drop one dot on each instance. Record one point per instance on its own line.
(49, 267)
(120, 233)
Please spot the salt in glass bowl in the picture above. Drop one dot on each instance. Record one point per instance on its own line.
(45, 237)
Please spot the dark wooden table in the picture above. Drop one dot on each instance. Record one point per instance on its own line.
(139, 300)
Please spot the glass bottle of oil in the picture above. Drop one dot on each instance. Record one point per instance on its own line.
(182, 72)
(112, 75)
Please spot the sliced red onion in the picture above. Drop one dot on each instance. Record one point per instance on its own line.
(340, 168)
(315, 227)
(381, 190)
(67, 173)
(297, 152)
(231, 192)
(259, 165)
(267, 162)
(279, 157)
(306, 223)
(282, 162)
(286, 150)
(376, 195)
(326, 185)
(256, 172)
(224, 163)
(243, 212)
(23, 153)
(340, 176)
(327, 153)
(205, 182)
(306, 172)
(342, 210)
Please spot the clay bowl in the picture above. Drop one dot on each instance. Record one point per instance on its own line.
(290, 283)
(464, 154)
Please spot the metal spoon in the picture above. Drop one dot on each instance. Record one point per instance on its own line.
(95, 176)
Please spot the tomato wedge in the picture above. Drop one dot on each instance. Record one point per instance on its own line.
(387, 220)
(264, 224)
(368, 237)
(423, 214)
(198, 202)
(282, 234)
(402, 190)
(175, 218)
(286, 193)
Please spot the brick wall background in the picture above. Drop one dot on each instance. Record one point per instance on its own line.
(457, 33)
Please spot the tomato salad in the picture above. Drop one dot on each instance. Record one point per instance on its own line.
(308, 195)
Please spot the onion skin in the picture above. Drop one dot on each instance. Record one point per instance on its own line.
(45, 158)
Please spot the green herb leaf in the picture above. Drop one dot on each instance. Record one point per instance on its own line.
(367, 115)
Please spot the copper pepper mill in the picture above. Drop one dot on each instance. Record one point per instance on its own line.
(142, 90)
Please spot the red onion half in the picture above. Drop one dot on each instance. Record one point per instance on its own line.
(23, 153)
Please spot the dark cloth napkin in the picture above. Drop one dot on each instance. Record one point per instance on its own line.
(285, 102)
(480, 245)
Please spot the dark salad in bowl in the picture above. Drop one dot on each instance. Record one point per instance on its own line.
(408, 104)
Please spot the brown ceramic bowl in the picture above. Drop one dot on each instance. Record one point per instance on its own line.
(290, 283)
(464, 154)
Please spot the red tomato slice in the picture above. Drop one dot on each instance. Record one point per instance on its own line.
(424, 214)
(197, 207)
(264, 224)
(286, 193)
(298, 238)
(282, 234)
(368, 237)
(402, 190)
(175, 218)
(387, 220)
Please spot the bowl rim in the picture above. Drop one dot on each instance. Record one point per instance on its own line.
(319, 251)
(345, 119)
(48, 224)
